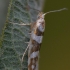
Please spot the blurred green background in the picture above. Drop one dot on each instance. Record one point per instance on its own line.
(55, 50)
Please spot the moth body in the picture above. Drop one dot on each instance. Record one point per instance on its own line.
(35, 42)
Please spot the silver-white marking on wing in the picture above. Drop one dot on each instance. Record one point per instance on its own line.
(34, 54)
(37, 38)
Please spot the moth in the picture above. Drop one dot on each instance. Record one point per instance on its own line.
(37, 31)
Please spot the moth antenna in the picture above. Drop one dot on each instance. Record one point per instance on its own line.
(24, 53)
(55, 11)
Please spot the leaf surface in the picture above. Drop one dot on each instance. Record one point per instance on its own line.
(14, 35)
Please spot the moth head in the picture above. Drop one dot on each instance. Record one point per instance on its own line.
(40, 15)
(40, 19)
(40, 22)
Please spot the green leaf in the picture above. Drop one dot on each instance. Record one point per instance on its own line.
(14, 35)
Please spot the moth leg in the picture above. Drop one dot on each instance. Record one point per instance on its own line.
(21, 24)
(25, 24)
(25, 52)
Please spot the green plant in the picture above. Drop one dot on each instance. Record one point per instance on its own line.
(14, 35)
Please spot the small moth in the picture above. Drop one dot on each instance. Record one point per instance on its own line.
(37, 31)
(35, 42)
